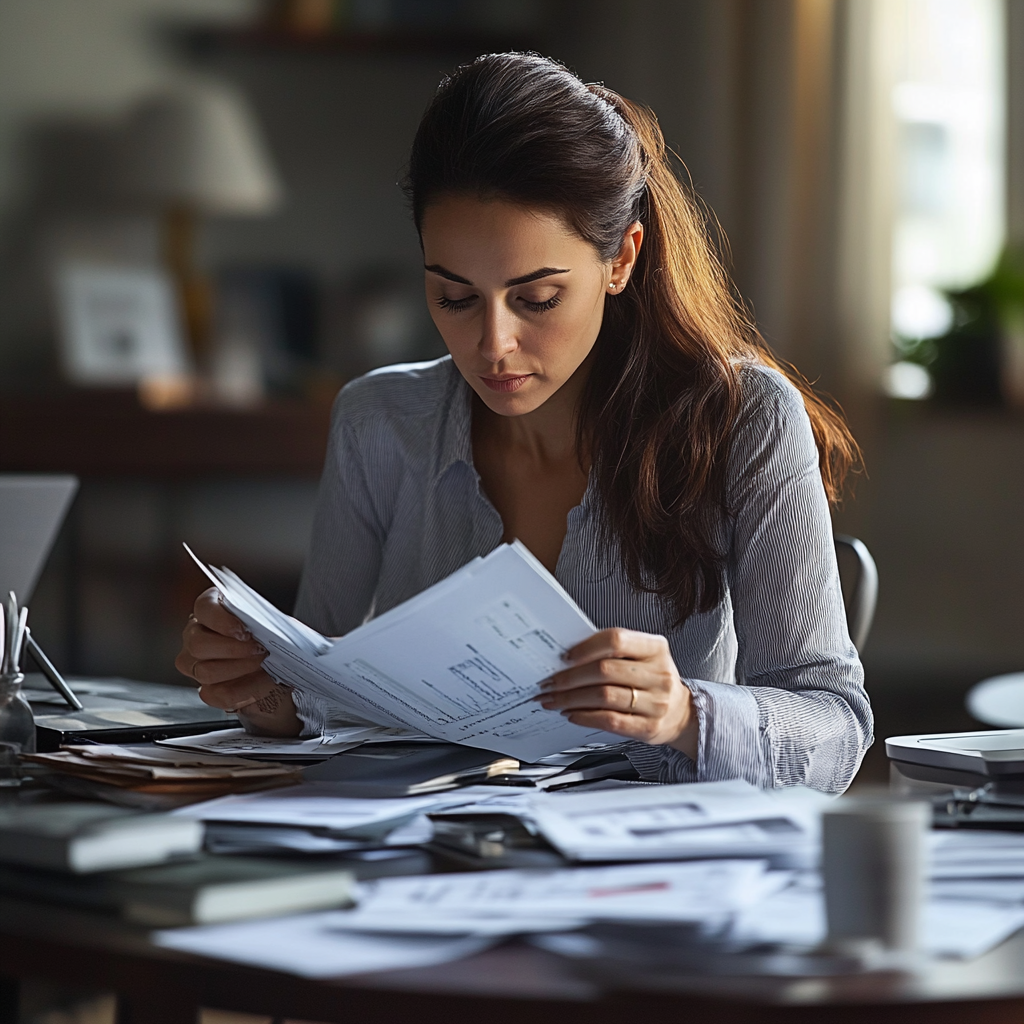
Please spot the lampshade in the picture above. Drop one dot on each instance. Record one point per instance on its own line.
(200, 148)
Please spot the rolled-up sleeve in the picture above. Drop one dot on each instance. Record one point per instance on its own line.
(797, 713)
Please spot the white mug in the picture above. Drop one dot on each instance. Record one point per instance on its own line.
(874, 866)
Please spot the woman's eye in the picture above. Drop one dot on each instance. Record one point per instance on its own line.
(455, 305)
(541, 307)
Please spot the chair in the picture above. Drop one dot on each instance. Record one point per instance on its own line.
(858, 575)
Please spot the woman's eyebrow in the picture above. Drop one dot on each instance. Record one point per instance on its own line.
(536, 275)
(436, 268)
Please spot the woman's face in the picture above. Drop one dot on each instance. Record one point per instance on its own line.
(516, 295)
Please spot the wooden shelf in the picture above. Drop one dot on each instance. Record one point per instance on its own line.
(110, 434)
(400, 41)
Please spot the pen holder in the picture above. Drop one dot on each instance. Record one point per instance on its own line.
(873, 867)
(17, 729)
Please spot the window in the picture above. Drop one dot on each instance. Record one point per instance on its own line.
(949, 217)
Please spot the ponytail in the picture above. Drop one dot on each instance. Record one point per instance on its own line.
(661, 402)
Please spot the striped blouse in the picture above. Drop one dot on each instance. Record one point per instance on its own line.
(776, 683)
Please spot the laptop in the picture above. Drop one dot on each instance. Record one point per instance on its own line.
(32, 510)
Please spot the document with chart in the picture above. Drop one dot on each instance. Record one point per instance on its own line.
(462, 661)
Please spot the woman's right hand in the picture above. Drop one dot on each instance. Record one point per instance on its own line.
(221, 656)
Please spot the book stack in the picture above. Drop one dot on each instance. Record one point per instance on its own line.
(149, 869)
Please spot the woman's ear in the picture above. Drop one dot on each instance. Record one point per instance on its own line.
(623, 264)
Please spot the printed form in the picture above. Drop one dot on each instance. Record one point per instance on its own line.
(461, 661)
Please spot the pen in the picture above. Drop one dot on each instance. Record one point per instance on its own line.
(56, 680)
(11, 631)
(19, 640)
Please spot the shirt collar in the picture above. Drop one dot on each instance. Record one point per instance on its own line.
(456, 424)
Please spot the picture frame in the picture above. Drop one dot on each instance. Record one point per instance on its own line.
(119, 325)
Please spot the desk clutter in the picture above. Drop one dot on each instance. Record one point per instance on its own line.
(395, 852)
(384, 845)
(162, 770)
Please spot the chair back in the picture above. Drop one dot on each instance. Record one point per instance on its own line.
(858, 575)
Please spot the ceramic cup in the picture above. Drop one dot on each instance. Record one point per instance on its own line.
(873, 867)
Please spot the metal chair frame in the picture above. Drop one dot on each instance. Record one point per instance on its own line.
(860, 605)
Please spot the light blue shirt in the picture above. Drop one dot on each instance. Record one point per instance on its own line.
(776, 682)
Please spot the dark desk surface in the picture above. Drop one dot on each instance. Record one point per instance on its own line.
(512, 983)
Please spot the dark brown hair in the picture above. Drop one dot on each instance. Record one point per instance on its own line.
(662, 398)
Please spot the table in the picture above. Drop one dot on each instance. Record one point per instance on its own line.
(512, 984)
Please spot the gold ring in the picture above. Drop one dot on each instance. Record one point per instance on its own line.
(192, 670)
(632, 703)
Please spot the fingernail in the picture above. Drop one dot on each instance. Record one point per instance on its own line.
(566, 656)
(547, 684)
(245, 703)
(259, 649)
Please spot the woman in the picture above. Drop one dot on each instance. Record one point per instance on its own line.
(607, 402)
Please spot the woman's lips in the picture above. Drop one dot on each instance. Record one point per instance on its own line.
(506, 384)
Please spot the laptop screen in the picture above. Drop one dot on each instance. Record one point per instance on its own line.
(32, 508)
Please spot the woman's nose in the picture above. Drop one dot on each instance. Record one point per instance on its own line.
(498, 338)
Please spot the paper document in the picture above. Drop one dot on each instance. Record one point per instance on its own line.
(239, 743)
(685, 821)
(460, 661)
(1008, 891)
(970, 853)
(315, 946)
(314, 806)
(519, 901)
(953, 928)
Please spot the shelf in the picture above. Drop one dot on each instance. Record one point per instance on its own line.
(406, 41)
(110, 434)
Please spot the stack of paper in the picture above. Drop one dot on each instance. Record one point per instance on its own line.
(461, 661)
(705, 856)
(443, 917)
(312, 818)
(239, 743)
(976, 897)
(692, 821)
(518, 901)
(978, 865)
(795, 916)
(152, 769)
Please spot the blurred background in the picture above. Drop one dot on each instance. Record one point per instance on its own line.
(201, 239)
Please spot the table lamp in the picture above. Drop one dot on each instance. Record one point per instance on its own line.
(196, 152)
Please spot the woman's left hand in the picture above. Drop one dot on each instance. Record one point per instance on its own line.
(627, 683)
